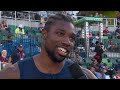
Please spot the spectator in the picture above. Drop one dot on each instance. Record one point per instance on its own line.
(19, 30)
(4, 26)
(118, 17)
(112, 46)
(95, 64)
(111, 72)
(99, 52)
(96, 14)
(109, 63)
(9, 39)
(3, 57)
(41, 27)
(94, 39)
(117, 76)
(78, 58)
(37, 16)
(97, 36)
(17, 55)
(117, 32)
(103, 65)
(106, 32)
(78, 33)
(118, 22)
(91, 15)
(92, 69)
(117, 65)
(101, 74)
(101, 16)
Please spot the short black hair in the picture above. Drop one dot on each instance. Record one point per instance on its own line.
(77, 52)
(97, 42)
(41, 23)
(58, 17)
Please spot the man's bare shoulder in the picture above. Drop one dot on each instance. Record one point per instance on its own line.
(10, 72)
(88, 73)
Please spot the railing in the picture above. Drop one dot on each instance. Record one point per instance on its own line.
(25, 17)
(107, 21)
(19, 15)
(30, 43)
(30, 16)
(111, 52)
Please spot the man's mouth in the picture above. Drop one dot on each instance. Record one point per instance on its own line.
(62, 51)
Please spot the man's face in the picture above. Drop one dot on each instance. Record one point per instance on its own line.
(101, 63)
(95, 62)
(20, 48)
(41, 25)
(92, 69)
(118, 74)
(20, 28)
(59, 41)
(106, 28)
(77, 55)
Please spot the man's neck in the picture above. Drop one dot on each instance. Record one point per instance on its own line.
(46, 65)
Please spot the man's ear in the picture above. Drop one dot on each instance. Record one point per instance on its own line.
(44, 34)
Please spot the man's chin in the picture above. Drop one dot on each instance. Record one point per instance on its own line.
(59, 59)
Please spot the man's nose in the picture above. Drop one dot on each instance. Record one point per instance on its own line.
(66, 42)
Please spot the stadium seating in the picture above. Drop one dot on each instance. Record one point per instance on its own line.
(27, 29)
(12, 28)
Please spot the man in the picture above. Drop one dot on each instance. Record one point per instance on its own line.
(20, 30)
(99, 52)
(58, 41)
(92, 69)
(4, 25)
(106, 32)
(117, 75)
(17, 55)
(78, 58)
(117, 33)
(41, 27)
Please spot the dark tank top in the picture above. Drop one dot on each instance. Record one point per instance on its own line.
(28, 70)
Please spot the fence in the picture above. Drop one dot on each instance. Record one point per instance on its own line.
(111, 53)
(27, 18)
(107, 21)
(31, 44)
(10, 42)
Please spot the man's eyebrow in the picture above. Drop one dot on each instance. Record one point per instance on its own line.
(62, 30)
(74, 34)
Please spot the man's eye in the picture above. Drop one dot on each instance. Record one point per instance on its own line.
(60, 33)
(72, 39)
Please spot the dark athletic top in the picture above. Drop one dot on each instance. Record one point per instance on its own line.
(28, 70)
